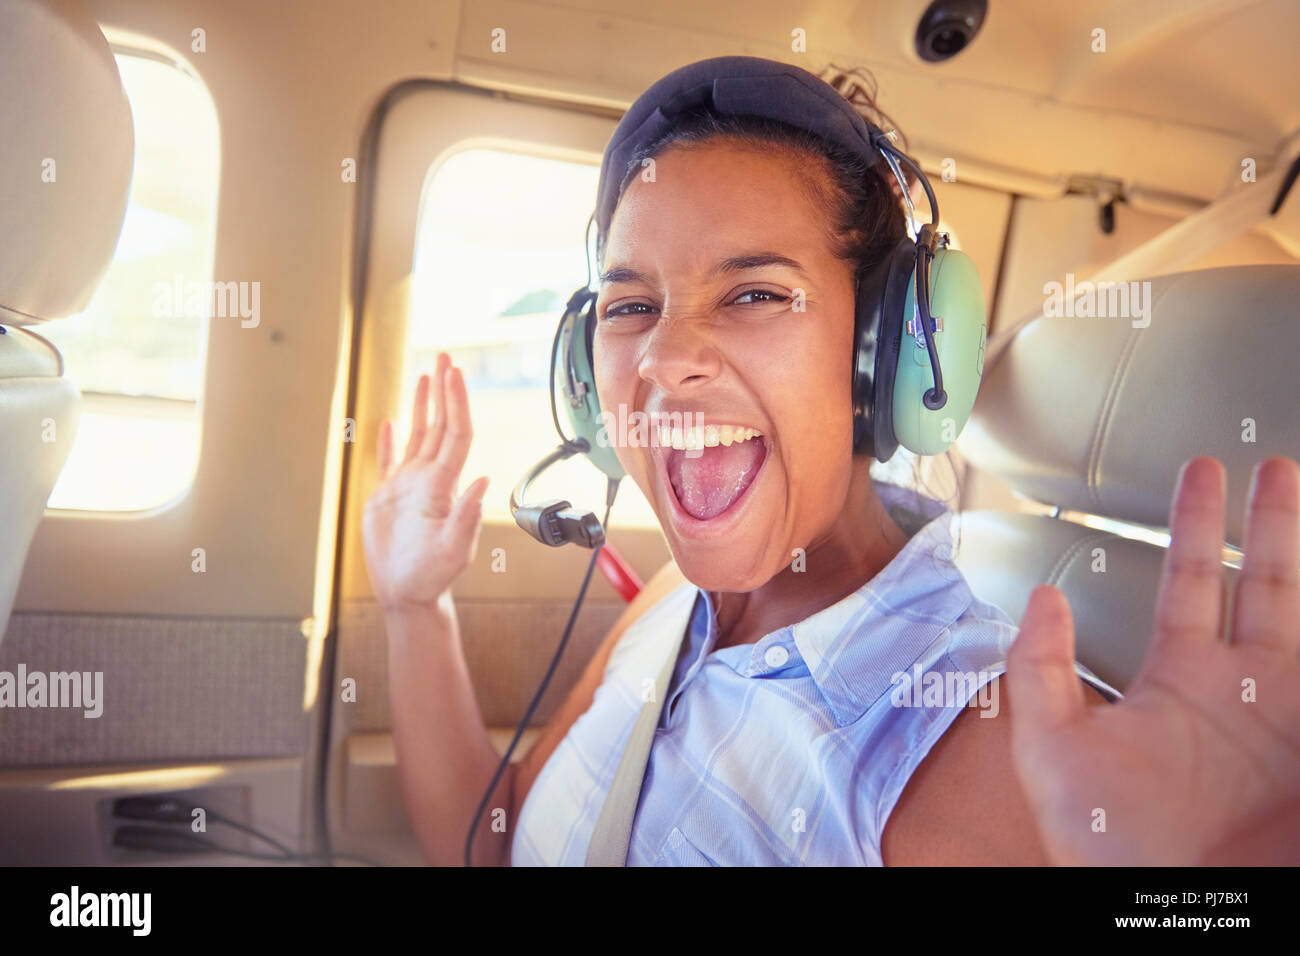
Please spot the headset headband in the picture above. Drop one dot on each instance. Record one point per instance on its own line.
(734, 86)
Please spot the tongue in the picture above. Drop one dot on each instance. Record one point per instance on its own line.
(709, 480)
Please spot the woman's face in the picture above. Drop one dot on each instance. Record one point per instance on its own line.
(721, 304)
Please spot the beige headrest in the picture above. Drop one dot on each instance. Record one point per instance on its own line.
(66, 150)
(1097, 414)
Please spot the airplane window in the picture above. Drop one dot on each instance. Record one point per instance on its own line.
(137, 350)
(499, 250)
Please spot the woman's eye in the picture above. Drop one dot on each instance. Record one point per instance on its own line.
(771, 297)
(620, 310)
(641, 308)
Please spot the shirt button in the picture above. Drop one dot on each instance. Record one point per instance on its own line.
(776, 656)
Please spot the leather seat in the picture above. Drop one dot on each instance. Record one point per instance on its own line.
(65, 173)
(1097, 416)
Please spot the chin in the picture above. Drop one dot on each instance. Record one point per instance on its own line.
(709, 573)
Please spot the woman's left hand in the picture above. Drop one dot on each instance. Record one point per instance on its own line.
(1200, 763)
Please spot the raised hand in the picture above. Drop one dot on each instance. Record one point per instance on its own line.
(417, 536)
(1200, 763)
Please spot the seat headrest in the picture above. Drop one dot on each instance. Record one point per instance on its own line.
(1098, 414)
(66, 151)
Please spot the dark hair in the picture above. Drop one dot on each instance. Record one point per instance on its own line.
(863, 210)
(862, 202)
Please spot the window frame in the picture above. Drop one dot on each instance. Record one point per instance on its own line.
(101, 401)
(574, 479)
(424, 123)
(263, 554)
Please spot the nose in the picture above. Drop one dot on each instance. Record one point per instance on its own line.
(679, 354)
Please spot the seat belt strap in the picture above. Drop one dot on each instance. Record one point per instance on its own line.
(613, 831)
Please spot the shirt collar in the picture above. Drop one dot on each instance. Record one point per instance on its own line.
(854, 647)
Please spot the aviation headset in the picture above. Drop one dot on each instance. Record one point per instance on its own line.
(919, 329)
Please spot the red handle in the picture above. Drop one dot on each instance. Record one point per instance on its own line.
(618, 573)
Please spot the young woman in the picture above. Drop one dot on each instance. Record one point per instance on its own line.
(781, 739)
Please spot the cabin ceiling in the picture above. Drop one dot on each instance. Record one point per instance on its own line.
(1226, 65)
(1183, 92)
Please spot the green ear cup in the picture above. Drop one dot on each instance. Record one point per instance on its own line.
(575, 373)
(957, 299)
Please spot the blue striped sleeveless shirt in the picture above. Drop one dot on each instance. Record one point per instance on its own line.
(792, 750)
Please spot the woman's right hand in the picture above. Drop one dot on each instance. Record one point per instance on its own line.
(417, 538)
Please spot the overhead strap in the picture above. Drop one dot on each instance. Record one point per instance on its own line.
(1179, 246)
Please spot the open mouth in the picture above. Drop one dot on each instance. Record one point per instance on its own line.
(710, 471)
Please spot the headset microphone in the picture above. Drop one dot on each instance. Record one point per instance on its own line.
(554, 522)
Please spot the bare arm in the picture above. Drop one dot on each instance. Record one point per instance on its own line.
(423, 651)
(964, 805)
(444, 756)
(418, 539)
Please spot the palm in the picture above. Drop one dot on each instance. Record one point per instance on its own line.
(1187, 769)
(417, 537)
(410, 513)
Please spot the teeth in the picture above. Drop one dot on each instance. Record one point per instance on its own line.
(709, 436)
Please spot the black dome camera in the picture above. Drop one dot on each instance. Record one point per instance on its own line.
(947, 27)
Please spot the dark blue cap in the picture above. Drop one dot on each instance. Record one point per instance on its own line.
(732, 85)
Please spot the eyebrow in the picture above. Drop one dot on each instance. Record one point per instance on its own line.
(741, 263)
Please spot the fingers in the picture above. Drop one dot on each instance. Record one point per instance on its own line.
(1040, 667)
(1266, 608)
(385, 448)
(455, 442)
(433, 437)
(419, 417)
(1189, 604)
(465, 520)
(425, 438)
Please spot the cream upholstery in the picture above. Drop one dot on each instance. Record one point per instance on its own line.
(1095, 415)
(65, 172)
(64, 114)
(38, 419)
(1098, 414)
(1004, 556)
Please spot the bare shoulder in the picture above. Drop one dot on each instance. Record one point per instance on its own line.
(964, 805)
